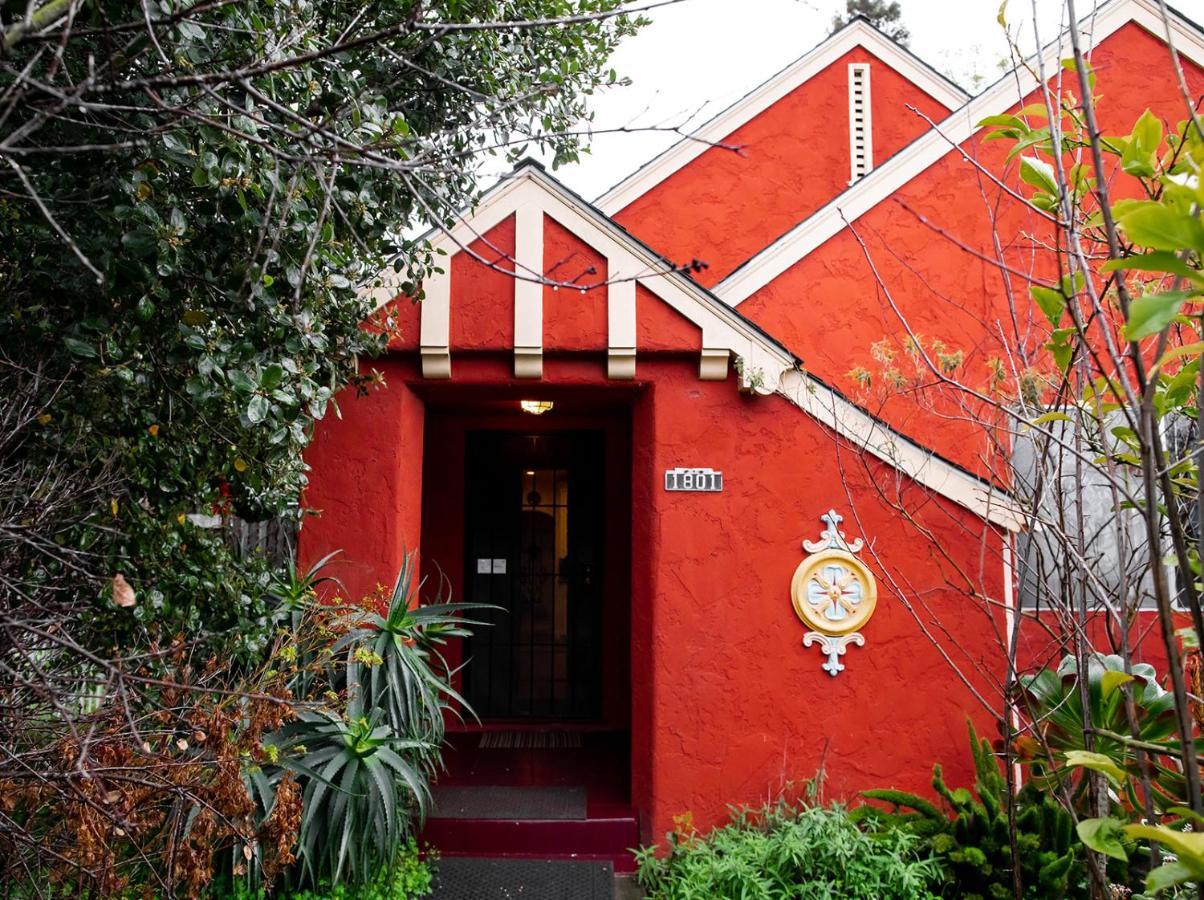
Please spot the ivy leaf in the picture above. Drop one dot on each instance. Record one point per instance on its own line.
(1103, 836)
(1153, 312)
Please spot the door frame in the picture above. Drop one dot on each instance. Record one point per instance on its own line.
(444, 559)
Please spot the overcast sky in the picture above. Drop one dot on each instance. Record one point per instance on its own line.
(698, 56)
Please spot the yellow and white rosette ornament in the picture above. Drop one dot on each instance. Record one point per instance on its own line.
(833, 592)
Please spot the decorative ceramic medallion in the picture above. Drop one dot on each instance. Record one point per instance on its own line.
(833, 593)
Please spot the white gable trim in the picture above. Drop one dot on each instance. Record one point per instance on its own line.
(857, 33)
(763, 366)
(936, 143)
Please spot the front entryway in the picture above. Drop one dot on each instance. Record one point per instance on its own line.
(534, 551)
(532, 515)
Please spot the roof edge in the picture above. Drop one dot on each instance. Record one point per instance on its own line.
(858, 32)
(760, 269)
(811, 395)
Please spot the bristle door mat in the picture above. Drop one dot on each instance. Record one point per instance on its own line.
(531, 740)
(470, 878)
(517, 803)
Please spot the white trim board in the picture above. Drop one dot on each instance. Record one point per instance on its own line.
(935, 144)
(763, 365)
(857, 33)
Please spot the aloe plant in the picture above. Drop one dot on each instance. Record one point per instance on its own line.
(409, 680)
(364, 767)
(361, 790)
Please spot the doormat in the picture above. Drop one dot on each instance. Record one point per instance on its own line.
(469, 878)
(510, 803)
(531, 740)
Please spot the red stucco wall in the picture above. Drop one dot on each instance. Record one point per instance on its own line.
(727, 204)
(940, 280)
(725, 705)
(738, 705)
(365, 483)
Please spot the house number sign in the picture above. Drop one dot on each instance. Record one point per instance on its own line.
(693, 480)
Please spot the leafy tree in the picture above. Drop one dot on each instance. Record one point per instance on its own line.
(885, 15)
(191, 196)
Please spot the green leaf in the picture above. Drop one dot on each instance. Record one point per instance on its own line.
(80, 348)
(257, 409)
(1152, 313)
(1188, 846)
(1039, 174)
(1155, 261)
(1053, 416)
(1185, 811)
(1150, 224)
(1061, 348)
(1052, 303)
(1167, 876)
(240, 381)
(1007, 120)
(1096, 762)
(1111, 680)
(272, 376)
(1147, 132)
(1103, 836)
(140, 242)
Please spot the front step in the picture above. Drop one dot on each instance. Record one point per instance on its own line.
(598, 839)
(468, 878)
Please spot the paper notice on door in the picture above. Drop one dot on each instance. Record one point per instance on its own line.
(491, 566)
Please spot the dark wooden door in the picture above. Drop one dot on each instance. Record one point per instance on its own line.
(534, 549)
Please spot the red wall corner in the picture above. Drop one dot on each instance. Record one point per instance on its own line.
(365, 484)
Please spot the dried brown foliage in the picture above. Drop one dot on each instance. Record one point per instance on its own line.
(156, 799)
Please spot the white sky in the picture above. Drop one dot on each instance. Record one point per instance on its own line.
(698, 56)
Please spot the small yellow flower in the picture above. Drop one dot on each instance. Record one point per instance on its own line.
(113, 506)
(240, 464)
(153, 430)
(45, 419)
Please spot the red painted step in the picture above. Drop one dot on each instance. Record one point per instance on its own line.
(594, 762)
(610, 838)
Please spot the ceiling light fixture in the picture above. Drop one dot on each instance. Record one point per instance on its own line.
(535, 407)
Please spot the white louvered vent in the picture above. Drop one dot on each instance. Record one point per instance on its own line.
(861, 138)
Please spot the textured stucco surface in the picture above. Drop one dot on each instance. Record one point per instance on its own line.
(793, 157)
(725, 703)
(940, 280)
(365, 483)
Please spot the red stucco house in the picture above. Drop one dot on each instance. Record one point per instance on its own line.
(635, 457)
